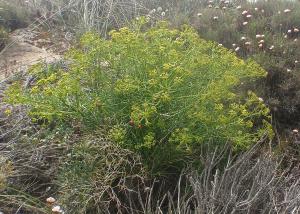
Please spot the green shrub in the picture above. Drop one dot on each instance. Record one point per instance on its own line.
(161, 92)
(280, 52)
(11, 16)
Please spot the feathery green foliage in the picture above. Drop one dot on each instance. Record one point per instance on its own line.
(162, 92)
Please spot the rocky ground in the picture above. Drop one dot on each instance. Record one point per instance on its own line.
(27, 47)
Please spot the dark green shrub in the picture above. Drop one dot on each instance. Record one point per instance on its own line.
(12, 17)
(278, 22)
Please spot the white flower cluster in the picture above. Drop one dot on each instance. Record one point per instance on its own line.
(55, 208)
(159, 10)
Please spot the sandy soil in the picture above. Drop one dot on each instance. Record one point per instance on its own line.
(26, 48)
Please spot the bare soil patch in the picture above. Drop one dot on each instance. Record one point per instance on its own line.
(27, 47)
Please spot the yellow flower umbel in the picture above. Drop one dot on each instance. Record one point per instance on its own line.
(164, 93)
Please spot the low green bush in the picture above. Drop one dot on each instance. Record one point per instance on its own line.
(274, 24)
(161, 92)
(12, 17)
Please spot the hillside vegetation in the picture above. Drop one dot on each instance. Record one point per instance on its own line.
(159, 107)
